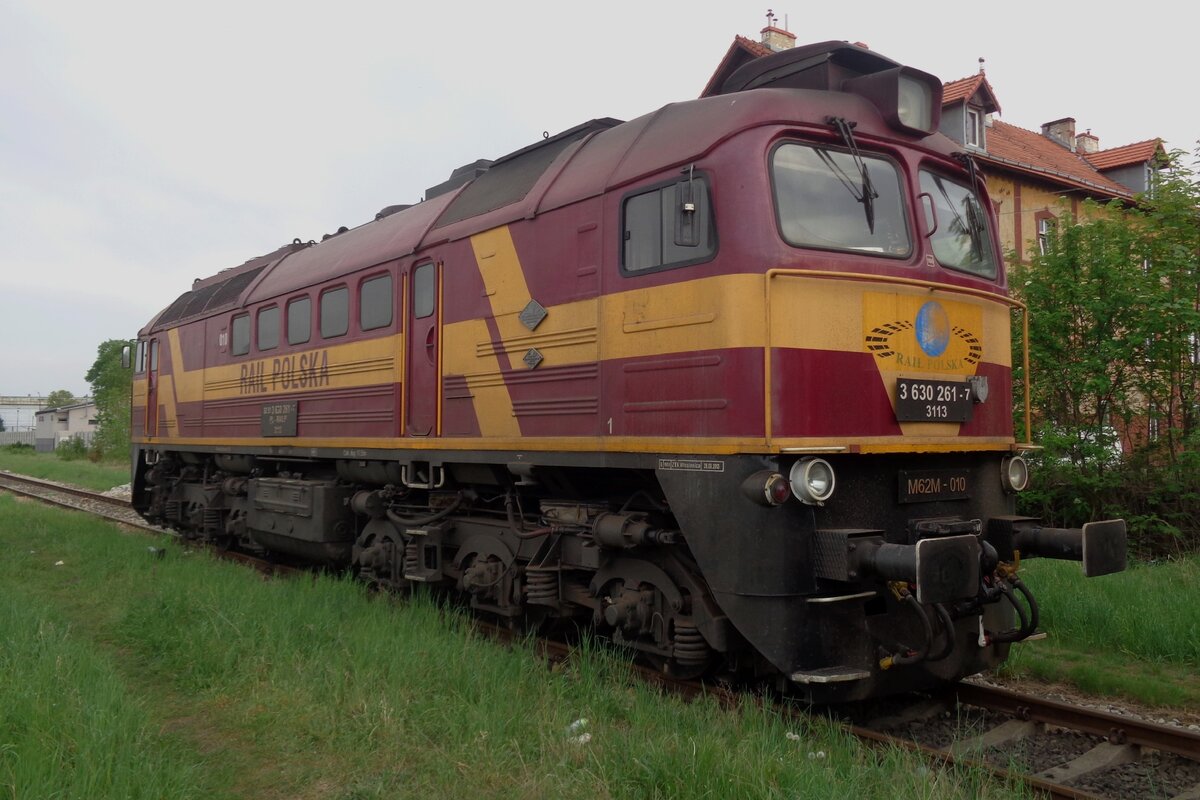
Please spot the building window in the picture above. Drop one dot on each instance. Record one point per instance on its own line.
(241, 335)
(268, 328)
(659, 232)
(974, 132)
(299, 320)
(375, 303)
(1152, 429)
(335, 312)
(1045, 228)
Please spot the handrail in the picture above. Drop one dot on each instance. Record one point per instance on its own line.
(932, 286)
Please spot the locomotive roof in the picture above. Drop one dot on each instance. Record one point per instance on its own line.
(594, 158)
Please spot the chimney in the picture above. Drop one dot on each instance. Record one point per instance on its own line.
(1086, 142)
(1061, 131)
(777, 38)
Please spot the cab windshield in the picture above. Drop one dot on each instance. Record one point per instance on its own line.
(961, 240)
(823, 200)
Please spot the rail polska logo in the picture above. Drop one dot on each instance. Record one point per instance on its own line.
(940, 345)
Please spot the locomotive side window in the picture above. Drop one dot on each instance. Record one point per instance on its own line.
(140, 360)
(652, 223)
(335, 312)
(268, 328)
(823, 200)
(375, 303)
(241, 335)
(424, 291)
(961, 240)
(299, 320)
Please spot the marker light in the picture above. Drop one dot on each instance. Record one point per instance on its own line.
(767, 488)
(812, 481)
(1014, 474)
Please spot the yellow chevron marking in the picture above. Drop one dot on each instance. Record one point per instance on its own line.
(500, 268)
(507, 293)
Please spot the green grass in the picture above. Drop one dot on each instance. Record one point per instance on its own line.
(1135, 634)
(98, 477)
(315, 688)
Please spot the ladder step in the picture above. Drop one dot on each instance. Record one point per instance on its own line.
(830, 675)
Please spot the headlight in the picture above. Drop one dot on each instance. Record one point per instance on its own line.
(1014, 474)
(812, 481)
(914, 105)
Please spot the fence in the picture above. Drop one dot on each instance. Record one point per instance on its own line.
(17, 437)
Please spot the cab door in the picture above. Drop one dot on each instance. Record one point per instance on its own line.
(152, 388)
(423, 345)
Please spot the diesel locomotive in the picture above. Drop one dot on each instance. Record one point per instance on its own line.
(731, 382)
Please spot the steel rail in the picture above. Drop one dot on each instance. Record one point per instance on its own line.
(1117, 729)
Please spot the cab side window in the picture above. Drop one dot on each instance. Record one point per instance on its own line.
(668, 226)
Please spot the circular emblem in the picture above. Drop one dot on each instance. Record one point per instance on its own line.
(933, 329)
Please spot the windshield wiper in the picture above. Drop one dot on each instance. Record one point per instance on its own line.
(865, 193)
(975, 223)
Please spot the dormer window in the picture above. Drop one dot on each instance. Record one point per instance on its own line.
(973, 136)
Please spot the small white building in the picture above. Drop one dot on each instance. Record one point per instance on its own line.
(57, 425)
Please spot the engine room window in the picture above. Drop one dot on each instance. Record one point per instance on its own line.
(424, 291)
(268, 328)
(375, 303)
(299, 320)
(828, 199)
(335, 312)
(660, 230)
(962, 240)
(240, 341)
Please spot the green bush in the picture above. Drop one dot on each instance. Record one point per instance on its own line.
(72, 449)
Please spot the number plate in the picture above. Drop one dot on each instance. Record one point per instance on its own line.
(933, 401)
(279, 419)
(922, 486)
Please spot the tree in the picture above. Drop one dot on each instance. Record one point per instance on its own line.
(111, 384)
(1115, 347)
(59, 398)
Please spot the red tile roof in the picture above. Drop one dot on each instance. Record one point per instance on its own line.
(965, 89)
(740, 52)
(1025, 151)
(1136, 153)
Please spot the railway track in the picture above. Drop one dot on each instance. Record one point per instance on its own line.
(1057, 749)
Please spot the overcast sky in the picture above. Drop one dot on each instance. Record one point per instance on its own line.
(145, 144)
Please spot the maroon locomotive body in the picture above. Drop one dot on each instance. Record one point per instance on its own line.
(731, 380)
